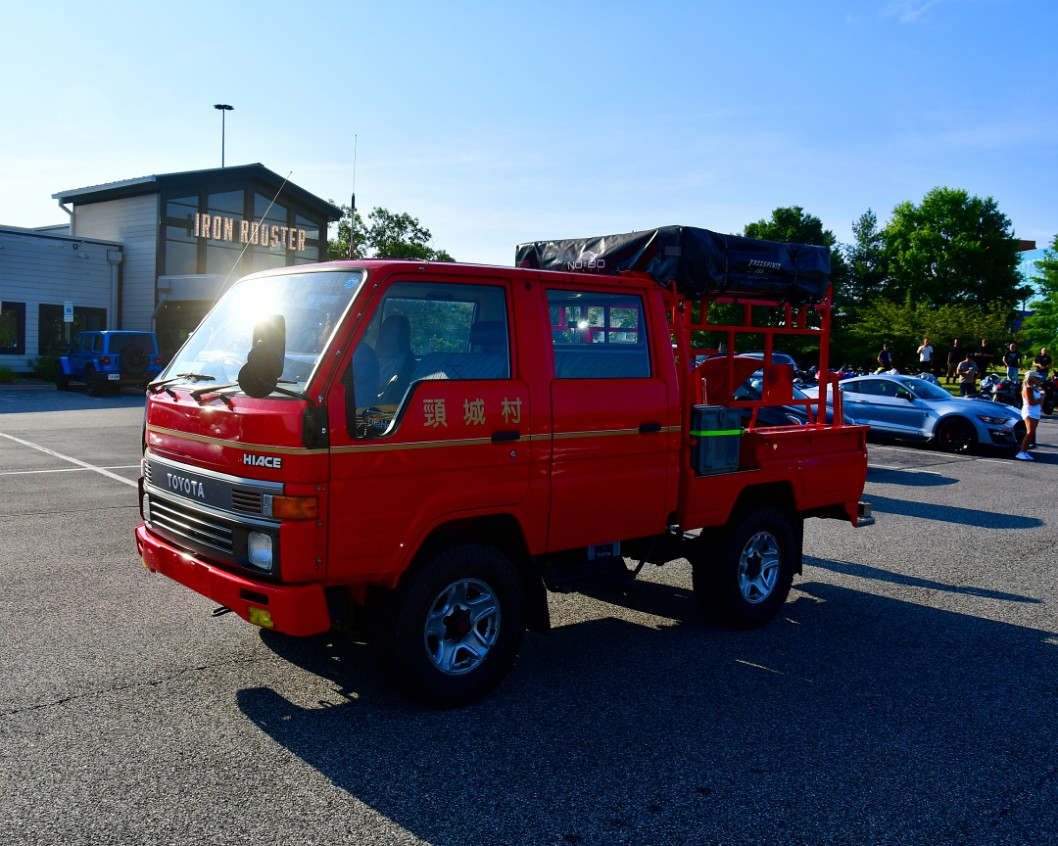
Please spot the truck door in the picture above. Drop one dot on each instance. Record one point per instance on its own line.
(435, 426)
(613, 437)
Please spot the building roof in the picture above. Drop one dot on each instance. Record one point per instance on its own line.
(268, 181)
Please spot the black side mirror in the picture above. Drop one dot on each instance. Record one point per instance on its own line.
(264, 362)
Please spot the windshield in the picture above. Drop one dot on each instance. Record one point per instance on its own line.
(312, 304)
(926, 390)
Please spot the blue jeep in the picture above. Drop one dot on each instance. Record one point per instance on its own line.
(109, 360)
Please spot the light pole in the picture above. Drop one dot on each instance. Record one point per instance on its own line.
(224, 107)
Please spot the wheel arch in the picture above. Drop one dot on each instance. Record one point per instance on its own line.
(504, 533)
(780, 496)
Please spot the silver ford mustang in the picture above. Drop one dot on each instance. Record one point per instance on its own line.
(913, 409)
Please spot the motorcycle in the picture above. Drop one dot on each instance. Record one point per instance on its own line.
(987, 387)
(1007, 391)
(1048, 389)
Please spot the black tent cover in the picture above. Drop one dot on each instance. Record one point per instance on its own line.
(700, 263)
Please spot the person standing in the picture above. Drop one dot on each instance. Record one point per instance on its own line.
(983, 357)
(1042, 362)
(1012, 360)
(967, 371)
(925, 356)
(885, 359)
(954, 358)
(1031, 401)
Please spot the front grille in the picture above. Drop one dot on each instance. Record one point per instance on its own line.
(247, 502)
(199, 529)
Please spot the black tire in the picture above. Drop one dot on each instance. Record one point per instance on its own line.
(956, 435)
(97, 385)
(62, 382)
(1048, 405)
(746, 583)
(451, 631)
(134, 360)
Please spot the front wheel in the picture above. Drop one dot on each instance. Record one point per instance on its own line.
(956, 435)
(449, 634)
(748, 581)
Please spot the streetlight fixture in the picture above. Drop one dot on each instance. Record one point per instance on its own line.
(223, 107)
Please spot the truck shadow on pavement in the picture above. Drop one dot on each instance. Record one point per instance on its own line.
(851, 718)
(980, 518)
(908, 477)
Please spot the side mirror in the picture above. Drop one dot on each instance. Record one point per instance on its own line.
(264, 362)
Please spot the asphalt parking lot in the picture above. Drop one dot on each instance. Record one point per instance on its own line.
(907, 694)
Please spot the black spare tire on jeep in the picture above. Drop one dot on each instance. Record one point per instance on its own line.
(134, 360)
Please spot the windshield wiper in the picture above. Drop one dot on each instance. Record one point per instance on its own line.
(219, 390)
(198, 393)
(154, 387)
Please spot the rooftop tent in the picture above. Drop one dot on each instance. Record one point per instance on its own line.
(700, 263)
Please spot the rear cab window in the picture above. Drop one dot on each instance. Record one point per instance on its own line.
(598, 336)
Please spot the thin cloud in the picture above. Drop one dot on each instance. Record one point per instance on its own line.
(909, 11)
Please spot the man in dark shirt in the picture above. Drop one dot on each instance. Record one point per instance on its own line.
(1012, 360)
(983, 357)
(1043, 362)
(955, 355)
(885, 359)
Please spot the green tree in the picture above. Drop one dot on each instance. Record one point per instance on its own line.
(866, 263)
(1041, 327)
(386, 235)
(953, 248)
(904, 324)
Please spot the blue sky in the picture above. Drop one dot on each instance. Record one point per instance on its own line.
(496, 123)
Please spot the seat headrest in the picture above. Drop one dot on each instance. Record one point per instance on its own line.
(394, 337)
(488, 334)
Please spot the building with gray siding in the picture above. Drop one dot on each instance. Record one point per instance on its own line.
(151, 253)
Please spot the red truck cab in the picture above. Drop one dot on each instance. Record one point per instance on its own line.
(430, 447)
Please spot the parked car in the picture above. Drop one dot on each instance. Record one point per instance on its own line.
(909, 408)
(780, 415)
(109, 360)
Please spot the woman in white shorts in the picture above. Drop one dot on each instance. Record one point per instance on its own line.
(1031, 401)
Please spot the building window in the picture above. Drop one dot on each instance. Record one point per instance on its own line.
(311, 253)
(13, 329)
(181, 246)
(54, 334)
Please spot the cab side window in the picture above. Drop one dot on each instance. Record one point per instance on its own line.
(598, 336)
(430, 330)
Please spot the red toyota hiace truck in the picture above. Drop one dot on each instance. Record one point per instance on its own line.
(430, 447)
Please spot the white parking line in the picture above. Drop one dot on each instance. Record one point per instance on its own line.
(904, 469)
(82, 464)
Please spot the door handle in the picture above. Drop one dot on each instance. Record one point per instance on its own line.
(649, 428)
(506, 436)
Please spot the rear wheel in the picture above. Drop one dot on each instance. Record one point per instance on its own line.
(746, 582)
(956, 435)
(452, 630)
(62, 382)
(97, 385)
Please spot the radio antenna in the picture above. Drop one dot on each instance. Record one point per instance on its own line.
(246, 246)
(352, 212)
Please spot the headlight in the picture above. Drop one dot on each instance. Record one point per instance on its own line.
(995, 421)
(259, 550)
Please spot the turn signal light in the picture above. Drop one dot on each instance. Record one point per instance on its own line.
(295, 507)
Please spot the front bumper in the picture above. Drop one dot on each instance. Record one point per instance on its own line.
(293, 609)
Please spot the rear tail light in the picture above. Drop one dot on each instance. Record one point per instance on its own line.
(104, 360)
